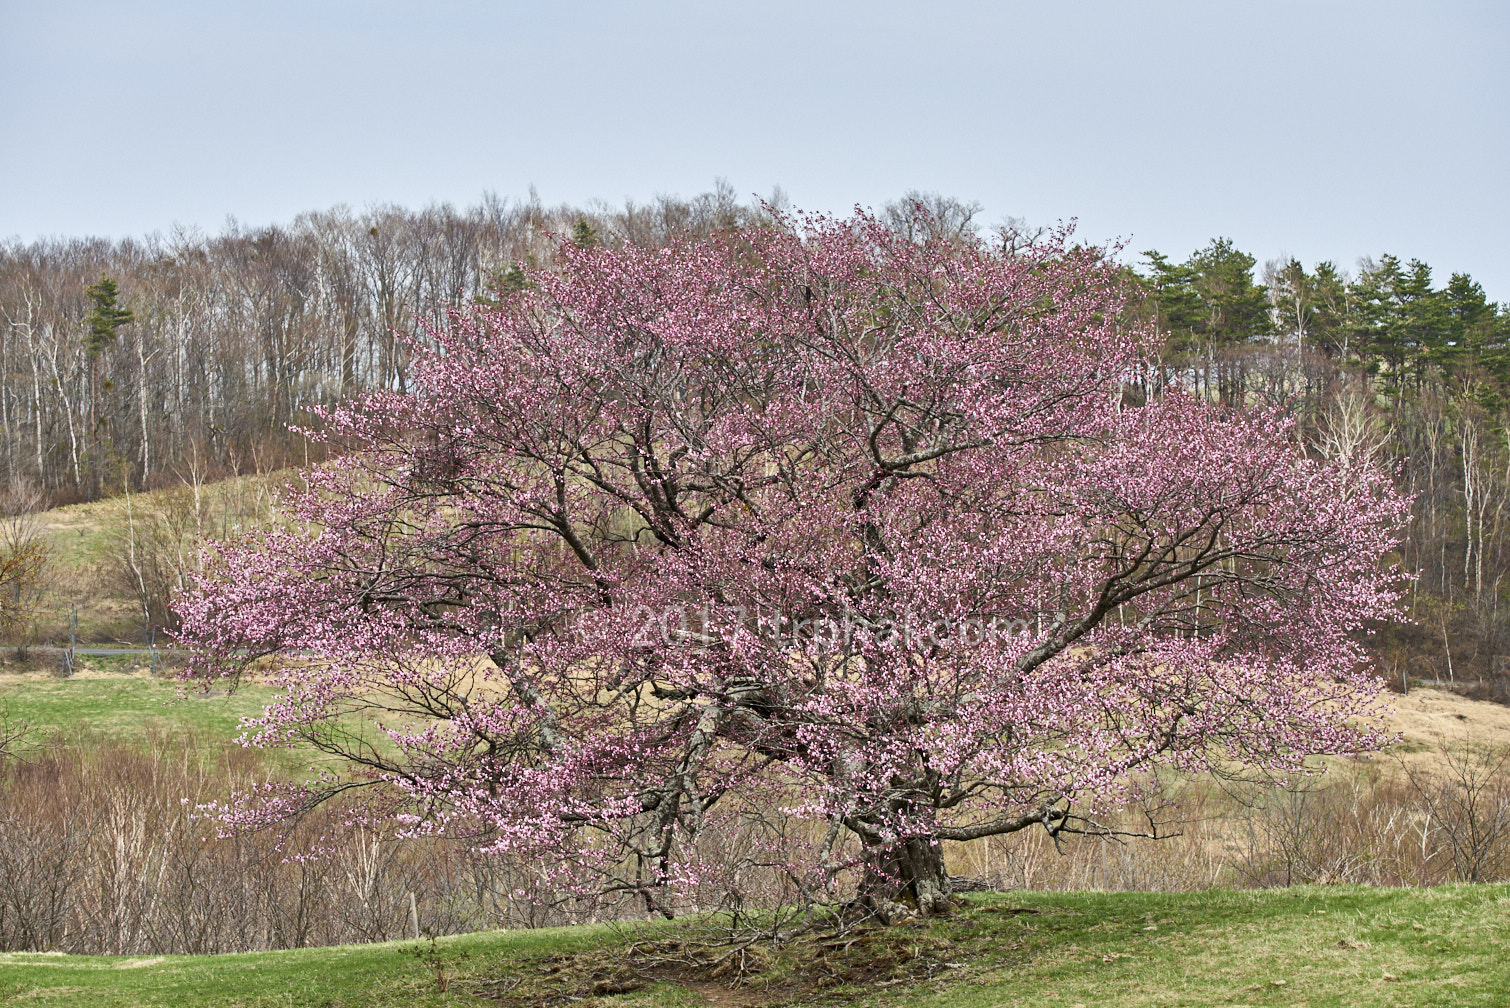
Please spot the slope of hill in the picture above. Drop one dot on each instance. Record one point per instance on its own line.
(1426, 718)
(1340, 946)
(114, 563)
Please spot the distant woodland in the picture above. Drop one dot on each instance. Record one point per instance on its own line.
(185, 357)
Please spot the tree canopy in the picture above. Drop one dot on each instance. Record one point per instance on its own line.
(763, 563)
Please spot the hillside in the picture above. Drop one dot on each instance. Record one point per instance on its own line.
(1425, 717)
(1340, 946)
(113, 564)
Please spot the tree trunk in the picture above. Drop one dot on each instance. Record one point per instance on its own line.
(904, 879)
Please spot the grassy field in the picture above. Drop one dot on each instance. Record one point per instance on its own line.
(124, 706)
(1309, 946)
(114, 701)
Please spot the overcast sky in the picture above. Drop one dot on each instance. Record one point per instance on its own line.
(1316, 129)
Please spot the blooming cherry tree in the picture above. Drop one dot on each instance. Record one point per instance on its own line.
(815, 520)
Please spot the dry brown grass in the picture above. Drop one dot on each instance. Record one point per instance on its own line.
(1426, 717)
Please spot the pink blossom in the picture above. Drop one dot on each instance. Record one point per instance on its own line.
(548, 578)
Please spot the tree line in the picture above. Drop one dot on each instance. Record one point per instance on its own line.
(127, 364)
(149, 362)
(1386, 362)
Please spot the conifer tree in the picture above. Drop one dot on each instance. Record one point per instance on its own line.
(108, 316)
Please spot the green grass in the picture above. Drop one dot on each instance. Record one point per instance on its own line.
(81, 533)
(128, 710)
(127, 707)
(1314, 946)
(394, 973)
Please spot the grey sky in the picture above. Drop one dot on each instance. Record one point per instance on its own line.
(1318, 129)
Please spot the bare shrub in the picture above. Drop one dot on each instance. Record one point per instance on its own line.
(24, 559)
(1035, 860)
(154, 545)
(1463, 802)
(1323, 831)
(103, 851)
(1369, 824)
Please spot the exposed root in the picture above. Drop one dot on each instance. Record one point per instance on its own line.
(831, 961)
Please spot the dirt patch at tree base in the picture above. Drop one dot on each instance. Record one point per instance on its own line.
(821, 967)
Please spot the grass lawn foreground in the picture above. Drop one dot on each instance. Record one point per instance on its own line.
(1314, 946)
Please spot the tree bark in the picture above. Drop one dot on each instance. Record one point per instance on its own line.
(905, 878)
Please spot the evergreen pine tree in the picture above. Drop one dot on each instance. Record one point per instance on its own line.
(584, 233)
(108, 316)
